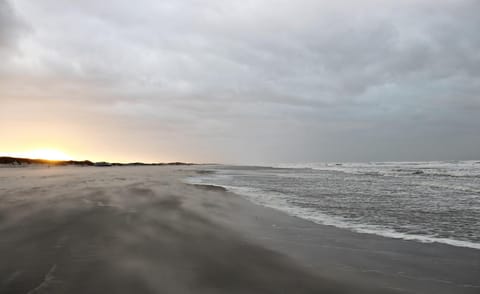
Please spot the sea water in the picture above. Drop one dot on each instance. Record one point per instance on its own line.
(423, 201)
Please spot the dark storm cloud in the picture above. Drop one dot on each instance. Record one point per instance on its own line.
(265, 80)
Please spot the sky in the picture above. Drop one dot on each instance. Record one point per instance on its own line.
(251, 81)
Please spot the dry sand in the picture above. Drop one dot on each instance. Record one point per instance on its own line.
(142, 230)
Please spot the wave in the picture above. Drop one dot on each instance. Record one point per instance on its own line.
(469, 169)
(272, 201)
(278, 201)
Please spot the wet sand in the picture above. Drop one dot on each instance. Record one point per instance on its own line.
(142, 230)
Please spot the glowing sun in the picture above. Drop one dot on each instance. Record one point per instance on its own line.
(49, 154)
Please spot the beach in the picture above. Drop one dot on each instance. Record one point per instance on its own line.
(145, 230)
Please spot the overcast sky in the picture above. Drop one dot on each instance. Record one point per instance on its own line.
(251, 81)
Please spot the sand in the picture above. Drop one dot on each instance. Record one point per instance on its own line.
(143, 230)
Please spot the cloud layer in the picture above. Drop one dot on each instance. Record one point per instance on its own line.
(245, 81)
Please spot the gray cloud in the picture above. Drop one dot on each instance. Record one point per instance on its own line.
(258, 80)
(10, 28)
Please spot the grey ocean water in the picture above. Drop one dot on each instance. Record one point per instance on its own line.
(423, 201)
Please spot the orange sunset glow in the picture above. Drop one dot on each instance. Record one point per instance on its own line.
(48, 154)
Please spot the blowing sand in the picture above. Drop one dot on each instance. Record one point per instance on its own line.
(143, 230)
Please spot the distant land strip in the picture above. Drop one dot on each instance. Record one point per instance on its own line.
(16, 161)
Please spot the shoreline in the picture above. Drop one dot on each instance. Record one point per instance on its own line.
(367, 259)
(143, 230)
(327, 220)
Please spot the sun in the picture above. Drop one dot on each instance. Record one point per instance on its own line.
(48, 154)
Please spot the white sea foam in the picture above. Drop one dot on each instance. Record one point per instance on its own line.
(429, 168)
(278, 201)
(282, 202)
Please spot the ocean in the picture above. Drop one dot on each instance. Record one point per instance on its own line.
(422, 201)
